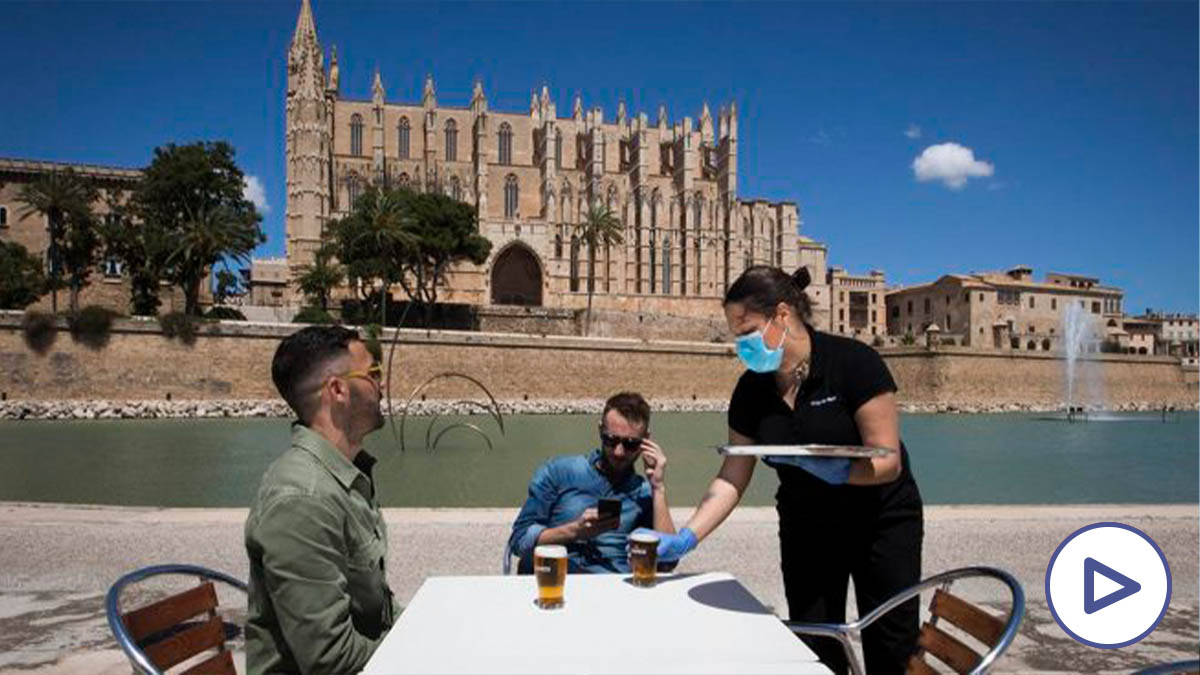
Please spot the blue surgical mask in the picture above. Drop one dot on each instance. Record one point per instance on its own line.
(752, 350)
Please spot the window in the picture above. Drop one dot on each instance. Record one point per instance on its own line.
(666, 265)
(872, 298)
(1032, 304)
(1053, 303)
(112, 268)
(558, 246)
(949, 326)
(1095, 307)
(558, 148)
(981, 297)
(455, 189)
(354, 188)
(356, 128)
(872, 317)
(841, 314)
(1005, 297)
(451, 141)
(574, 263)
(505, 143)
(895, 311)
(402, 135)
(1032, 330)
(3, 216)
(927, 304)
(910, 307)
(947, 301)
(967, 297)
(510, 196)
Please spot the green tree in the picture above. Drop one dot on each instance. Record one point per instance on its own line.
(194, 194)
(142, 247)
(227, 284)
(317, 281)
(446, 232)
(21, 278)
(373, 241)
(65, 200)
(600, 229)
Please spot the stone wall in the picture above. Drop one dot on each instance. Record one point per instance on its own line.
(231, 360)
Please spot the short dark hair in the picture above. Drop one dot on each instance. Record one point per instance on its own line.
(761, 288)
(632, 407)
(301, 354)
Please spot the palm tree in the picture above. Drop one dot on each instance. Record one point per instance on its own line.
(207, 237)
(66, 201)
(600, 227)
(320, 278)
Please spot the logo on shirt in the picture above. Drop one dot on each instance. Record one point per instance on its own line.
(823, 401)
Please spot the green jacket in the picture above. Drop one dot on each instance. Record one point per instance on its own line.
(319, 601)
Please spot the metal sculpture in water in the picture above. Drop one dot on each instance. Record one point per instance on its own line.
(398, 434)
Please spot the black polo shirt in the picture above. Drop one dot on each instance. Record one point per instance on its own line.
(843, 375)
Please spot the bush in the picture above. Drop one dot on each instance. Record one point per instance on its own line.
(225, 314)
(178, 325)
(313, 315)
(908, 340)
(40, 331)
(949, 342)
(878, 341)
(92, 326)
(21, 278)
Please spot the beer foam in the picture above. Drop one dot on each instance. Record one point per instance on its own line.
(550, 551)
(644, 538)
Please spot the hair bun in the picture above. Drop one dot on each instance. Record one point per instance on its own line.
(802, 278)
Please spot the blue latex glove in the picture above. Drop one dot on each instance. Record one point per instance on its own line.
(672, 547)
(832, 470)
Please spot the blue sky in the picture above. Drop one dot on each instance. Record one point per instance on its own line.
(1075, 124)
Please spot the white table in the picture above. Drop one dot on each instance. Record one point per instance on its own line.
(701, 623)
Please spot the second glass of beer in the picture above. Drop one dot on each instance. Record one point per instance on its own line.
(550, 567)
(643, 558)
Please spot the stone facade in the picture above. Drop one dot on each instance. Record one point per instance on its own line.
(1174, 334)
(857, 303)
(531, 176)
(108, 285)
(1006, 310)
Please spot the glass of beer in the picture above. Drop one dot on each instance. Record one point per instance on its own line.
(550, 567)
(643, 558)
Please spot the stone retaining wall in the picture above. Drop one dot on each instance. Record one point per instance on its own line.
(231, 361)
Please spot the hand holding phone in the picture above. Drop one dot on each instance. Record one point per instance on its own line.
(609, 510)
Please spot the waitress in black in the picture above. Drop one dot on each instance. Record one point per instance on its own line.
(838, 518)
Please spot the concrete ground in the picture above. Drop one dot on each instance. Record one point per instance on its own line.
(57, 562)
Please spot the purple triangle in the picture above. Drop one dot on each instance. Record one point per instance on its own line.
(1092, 567)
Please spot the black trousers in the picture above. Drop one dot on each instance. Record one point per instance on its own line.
(822, 549)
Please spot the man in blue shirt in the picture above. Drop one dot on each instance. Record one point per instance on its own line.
(565, 492)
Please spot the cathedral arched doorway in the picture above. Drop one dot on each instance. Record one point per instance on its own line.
(516, 277)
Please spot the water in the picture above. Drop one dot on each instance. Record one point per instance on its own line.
(957, 459)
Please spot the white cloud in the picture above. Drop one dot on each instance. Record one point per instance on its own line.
(950, 163)
(913, 131)
(252, 189)
(820, 138)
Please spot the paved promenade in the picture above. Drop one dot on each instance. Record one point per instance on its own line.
(57, 561)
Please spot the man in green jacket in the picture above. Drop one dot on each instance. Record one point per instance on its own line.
(319, 600)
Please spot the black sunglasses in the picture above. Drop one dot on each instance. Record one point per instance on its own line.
(611, 440)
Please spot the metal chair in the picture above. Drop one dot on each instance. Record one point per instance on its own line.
(982, 626)
(1177, 668)
(160, 636)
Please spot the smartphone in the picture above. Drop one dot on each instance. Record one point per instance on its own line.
(609, 508)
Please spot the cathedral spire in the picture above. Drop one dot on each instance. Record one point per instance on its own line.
(429, 97)
(306, 28)
(377, 92)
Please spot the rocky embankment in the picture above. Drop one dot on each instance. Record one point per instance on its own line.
(90, 410)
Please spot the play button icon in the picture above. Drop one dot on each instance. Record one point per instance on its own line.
(1092, 567)
(1113, 603)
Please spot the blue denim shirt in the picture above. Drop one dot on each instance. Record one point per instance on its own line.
(560, 491)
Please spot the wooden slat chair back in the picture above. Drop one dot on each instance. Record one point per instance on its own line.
(176, 629)
(946, 648)
(993, 633)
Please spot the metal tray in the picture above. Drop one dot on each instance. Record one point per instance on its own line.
(812, 450)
